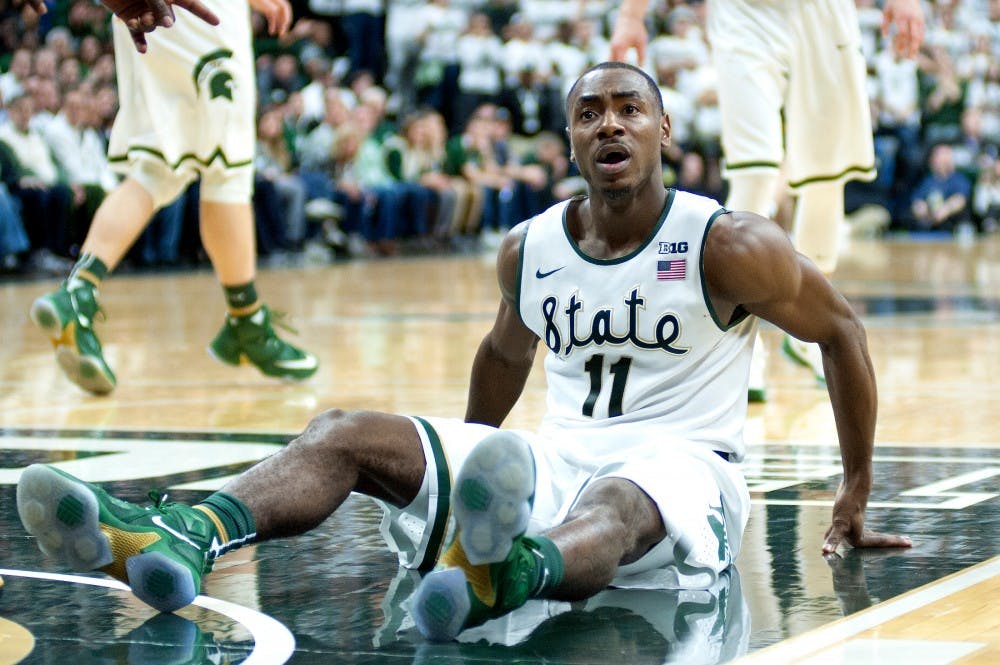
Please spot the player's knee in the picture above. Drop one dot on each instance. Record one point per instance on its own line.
(162, 184)
(755, 191)
(624, 513)
(330, 431)
(233, 186)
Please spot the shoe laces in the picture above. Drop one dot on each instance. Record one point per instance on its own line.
(89, 302)
(159, 500)
(281, 320)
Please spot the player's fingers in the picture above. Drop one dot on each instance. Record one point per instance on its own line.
(161, 13)
(148, 21)
(640, 53)
(279, 17)
(199, 10)
(875, 539)
(832, 542)
(139, 39)
(38, 6)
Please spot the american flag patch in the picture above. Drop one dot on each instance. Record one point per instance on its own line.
(676, 269)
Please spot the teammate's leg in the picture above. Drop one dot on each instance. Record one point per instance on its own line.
(227, 233)
(67, 314)
(819, 221)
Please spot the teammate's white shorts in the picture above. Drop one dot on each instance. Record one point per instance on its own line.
(702, 498)
(792, 89)
(188, 105)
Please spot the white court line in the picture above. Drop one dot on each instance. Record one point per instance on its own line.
(808, 643)
(274, 644)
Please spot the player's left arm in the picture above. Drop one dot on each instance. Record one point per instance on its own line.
(749, 261)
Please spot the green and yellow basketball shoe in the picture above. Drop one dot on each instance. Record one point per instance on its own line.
(161, 552)
(68, 318)
(491, 567)
(251, 339)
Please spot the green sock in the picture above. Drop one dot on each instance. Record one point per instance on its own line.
(232, 520)
(87, 272)
(549, 565)
(241, 299)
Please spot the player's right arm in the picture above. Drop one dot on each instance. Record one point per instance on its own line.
(507, 353)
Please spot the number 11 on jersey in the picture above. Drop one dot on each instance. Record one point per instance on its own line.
(619, 375)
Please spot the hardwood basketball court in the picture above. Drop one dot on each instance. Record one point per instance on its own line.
(399, 335)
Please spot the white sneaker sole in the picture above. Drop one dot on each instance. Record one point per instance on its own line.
(493, 495)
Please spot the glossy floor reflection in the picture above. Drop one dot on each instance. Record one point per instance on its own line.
(180, 422)
(343, 598)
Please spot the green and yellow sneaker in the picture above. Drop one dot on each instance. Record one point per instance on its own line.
(68, 318)
(491, 567)
(161, 552)
(251, 339)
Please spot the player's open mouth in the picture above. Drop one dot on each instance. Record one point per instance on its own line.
(612, 158)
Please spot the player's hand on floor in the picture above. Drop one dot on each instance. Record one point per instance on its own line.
(848, 527)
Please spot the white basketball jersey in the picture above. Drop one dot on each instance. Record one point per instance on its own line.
(633, 342)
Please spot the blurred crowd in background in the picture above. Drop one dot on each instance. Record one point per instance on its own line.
(418, 126)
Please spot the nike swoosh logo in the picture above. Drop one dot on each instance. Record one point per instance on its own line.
(542, 275)
(309, 362)
(158, 521)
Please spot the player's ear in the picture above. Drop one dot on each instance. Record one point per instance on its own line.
(665, 127)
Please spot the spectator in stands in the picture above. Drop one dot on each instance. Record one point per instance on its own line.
(470, 155)
(428, 141)
(14, 243)
(896, 104)
(82, 154)
(276, 170)
(13, 80)
(942, 97)
(535, 104)
(941, 201)
(48, 102)
(986, 197)
(33, 177)
(402, 208)
(436, 70)
(45, 64)
(547, 165)
(973, 148)
(418, 157)
(363, 23)
(480, 58)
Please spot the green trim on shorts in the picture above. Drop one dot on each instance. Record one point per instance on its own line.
(439, 528)
(858, 173)
(218, 153)
(752, 165)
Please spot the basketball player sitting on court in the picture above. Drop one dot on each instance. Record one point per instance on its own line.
(647, 300)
